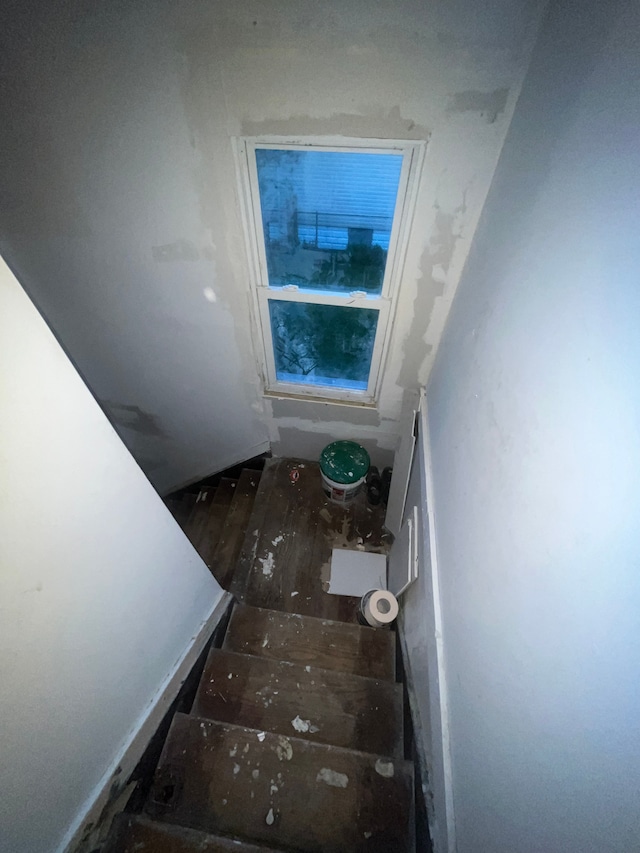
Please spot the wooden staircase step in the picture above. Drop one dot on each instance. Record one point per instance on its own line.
(235, 526)
(208, 517)
(355, 649)
(281, 791)
(291, 545)
(218, 511)
(262, 506)
(199, 514)
(138, 834)
(320, 705)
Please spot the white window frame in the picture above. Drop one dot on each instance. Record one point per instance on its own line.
(384, 303)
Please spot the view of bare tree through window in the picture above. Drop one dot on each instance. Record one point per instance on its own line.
(322, 344)
(327, 219)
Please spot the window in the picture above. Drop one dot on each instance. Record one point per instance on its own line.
(326, 226)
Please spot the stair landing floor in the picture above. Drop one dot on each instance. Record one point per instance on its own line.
(285, 561)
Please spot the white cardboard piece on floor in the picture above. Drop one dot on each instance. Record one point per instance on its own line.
(356, 572)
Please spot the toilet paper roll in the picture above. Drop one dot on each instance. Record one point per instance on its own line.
(379, 607)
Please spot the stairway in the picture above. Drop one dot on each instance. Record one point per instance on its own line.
(295, 739)
(294, 743)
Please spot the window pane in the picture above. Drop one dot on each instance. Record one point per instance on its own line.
(327, 217)
(322, 344)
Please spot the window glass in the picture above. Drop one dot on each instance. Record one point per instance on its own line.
(322, 344)
(327, 217)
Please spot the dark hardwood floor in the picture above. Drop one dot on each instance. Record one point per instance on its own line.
(285, 562)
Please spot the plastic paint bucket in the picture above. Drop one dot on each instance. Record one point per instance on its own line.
(341, 493)
(344, 466)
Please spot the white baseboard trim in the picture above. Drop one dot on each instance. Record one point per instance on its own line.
(127, 758)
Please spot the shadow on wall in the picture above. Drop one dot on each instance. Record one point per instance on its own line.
(133, 418)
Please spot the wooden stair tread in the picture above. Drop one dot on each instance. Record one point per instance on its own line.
(207, 517)
(235, 525)
(259, 510)
(324, 706)
(286, 792)
(306, 640)
(138, 834)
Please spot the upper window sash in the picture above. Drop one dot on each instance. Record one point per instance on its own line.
(408, 152)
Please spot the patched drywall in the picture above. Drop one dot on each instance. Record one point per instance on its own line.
(383, 123)
(489, 105)
(119, 201)
(181, 250)
(308, 444)
(427, 68)
(534, 413)
(317, 412)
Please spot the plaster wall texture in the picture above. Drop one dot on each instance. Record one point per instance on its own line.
(120, 205)
(534, 412)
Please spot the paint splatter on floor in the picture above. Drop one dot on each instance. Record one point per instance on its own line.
(332, 778)
(268, 565)
(385, 768)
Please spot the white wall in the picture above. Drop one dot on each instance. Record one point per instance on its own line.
(101, 595)
(119, 201)
(534, 407)
(420, 631)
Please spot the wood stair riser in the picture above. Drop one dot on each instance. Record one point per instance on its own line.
(305, 640)
(138, 834)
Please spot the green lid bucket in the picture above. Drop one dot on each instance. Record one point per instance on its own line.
(344, 466)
